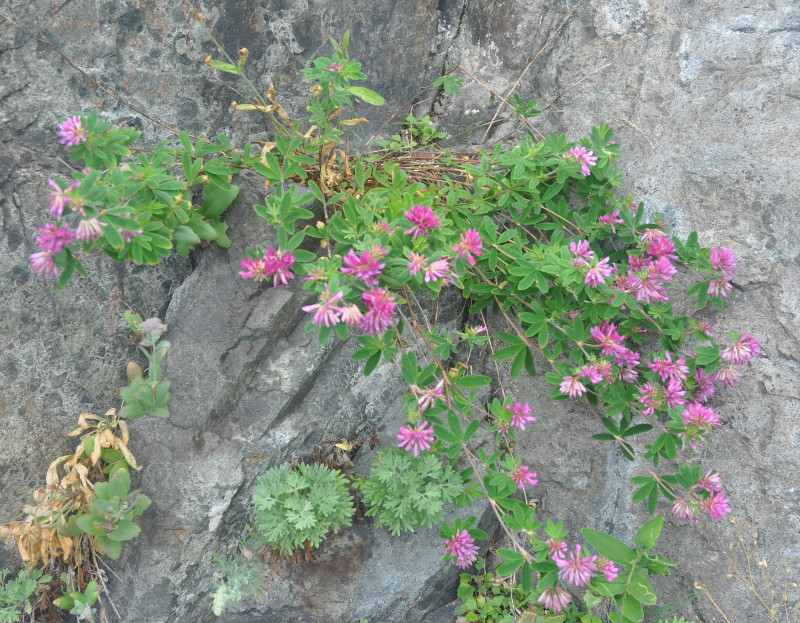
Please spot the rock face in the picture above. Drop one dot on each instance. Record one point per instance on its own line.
(703, 97)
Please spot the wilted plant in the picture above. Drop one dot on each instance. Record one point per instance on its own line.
(86, 508)
(50, 535)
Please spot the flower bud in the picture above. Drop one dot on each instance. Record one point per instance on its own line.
(133, 371)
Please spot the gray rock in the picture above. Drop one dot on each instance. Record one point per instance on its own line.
(704, 101)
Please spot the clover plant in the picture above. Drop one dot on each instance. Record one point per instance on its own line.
(579, 278)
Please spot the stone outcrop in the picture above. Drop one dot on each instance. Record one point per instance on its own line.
(703, 98)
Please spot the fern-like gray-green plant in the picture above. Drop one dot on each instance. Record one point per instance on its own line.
(298, 505)
(15, 594)
(675, 619)
(405, 492)
(241, 577)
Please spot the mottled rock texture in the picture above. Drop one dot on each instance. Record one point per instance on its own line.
(704, 98)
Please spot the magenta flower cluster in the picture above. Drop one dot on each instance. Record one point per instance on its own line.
(672, 384)
(520, 415)
(417, 438)
(524, 476)
(73, 132)
(673, 381)
(555, 598)
(706, 496)
(375, 310)
(427, 397)
(585, 158)
(274, 263)
(724, 263)
(462, 549)
(576, 568)
(423, 219)
(66, 199)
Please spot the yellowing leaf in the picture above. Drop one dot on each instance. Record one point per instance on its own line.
(66, 545)
(98, 448)
(264, 109)
(268, 147)
(123, 427)
(23, 550)
(355, 121)
(278, 108)
(52, 471)
(129, 457)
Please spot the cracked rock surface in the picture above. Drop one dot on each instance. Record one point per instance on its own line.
(704, 101)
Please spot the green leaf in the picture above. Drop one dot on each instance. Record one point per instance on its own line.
(368, 95)
(364, 353)
(508, 567)
(409, 367)
(219, 180)
(65, 602)
(641, 589)
(316, 191)
(226, 67)
(632, 609)
(185, 234)
(506, 353)
(445, 435)
(120, 484)
(222, 237)
(648, 534)
(372, 363)
(202, 229)
(65, 276)
(472, 428)
(131, 411)
(637, 430)
(111, 547)
(477, 380)
(90, 593)
(217, 200)
(91, 524)
(610, 547)
(125, 531)
(525, 577)
(652, 501)
(69, 528)
(113, 237)
(643, 492)
(303, 256)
